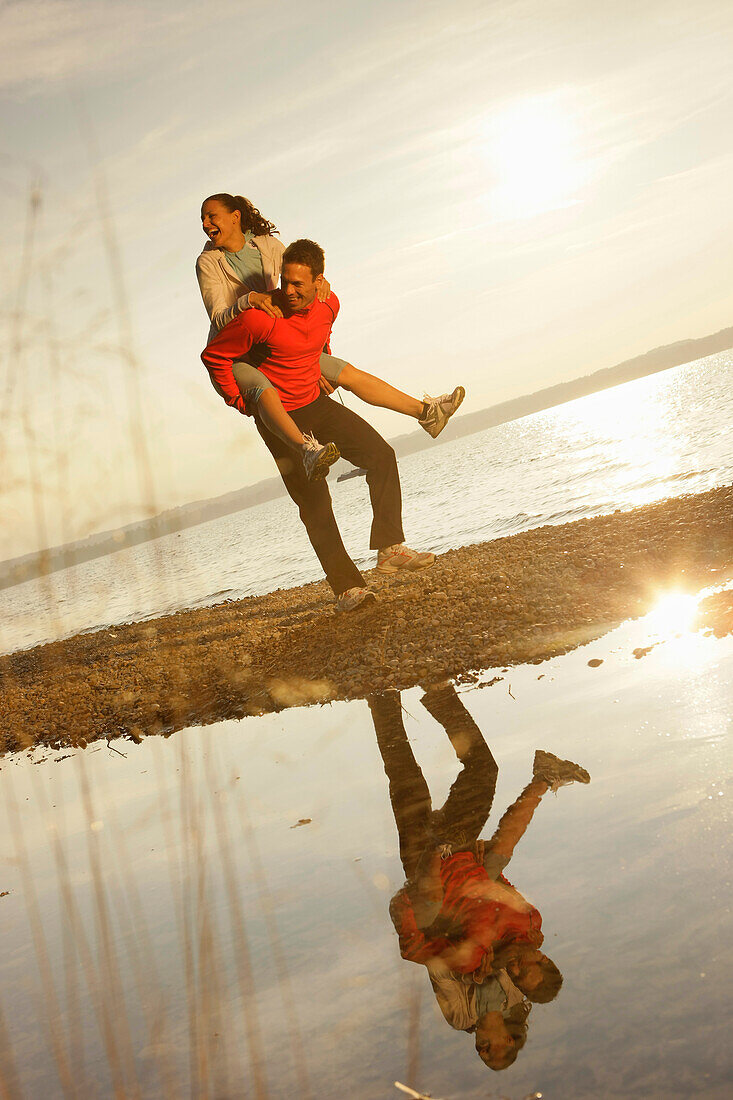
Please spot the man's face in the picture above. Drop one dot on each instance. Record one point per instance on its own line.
(299, 286)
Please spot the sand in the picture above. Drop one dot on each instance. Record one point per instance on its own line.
(500, 603)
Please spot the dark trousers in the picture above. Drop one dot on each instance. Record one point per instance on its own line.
(360, 444)
(463, 815)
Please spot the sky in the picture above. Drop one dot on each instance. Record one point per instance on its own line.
(509, 195)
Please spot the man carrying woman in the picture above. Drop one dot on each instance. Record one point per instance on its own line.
(288, 348)
(238, 270)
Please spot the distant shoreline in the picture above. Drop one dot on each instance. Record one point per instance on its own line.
(523, 598)
(31, 566)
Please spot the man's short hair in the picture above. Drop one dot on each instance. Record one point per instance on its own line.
(307, 253)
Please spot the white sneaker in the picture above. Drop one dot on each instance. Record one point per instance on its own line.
(353, 598)
(440, 410)
(555, 772)
(394, 558)
(318, 458)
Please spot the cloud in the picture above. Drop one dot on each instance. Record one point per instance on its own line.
(45, 42)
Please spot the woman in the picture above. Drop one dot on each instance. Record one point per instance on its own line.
(239, 269)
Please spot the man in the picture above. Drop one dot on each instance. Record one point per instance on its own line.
(292, 346)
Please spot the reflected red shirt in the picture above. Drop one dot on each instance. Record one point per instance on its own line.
(469, 905)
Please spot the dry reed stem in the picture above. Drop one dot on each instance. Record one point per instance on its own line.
(177, 881)
(413, 1029)
(9, 1080)
(267, 908)
(243, 956)
(142, 953)
(72, 933)
(100, 1002)
(196, 1057)
(49, 1006)
(127, 1082)
(411, 1092)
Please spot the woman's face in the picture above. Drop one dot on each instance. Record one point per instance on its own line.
(221, 226)
(494, 1043)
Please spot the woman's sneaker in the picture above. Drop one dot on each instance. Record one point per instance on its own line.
(440, 410)
(353, 598)
(318, 458)
(555, 772)
(394, 558)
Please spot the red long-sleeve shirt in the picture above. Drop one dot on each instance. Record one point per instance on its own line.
(489, 913)
(293, 345)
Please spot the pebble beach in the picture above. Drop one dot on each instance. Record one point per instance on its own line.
(505, 602)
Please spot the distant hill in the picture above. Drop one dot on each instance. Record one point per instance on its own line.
(658, 359)
(189, 515)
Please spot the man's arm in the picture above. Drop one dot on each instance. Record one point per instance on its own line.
(334, 305)
(232, 343)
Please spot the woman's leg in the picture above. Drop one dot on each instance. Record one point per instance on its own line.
(432, 414)
(273, 416)
(255, 387)
(375, 391)
(371, 389)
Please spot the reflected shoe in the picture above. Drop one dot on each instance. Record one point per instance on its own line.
(555, 772)
(392, 559)
(440, 410)
(318, 458)
(354, 598)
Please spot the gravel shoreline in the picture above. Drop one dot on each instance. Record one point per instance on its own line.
(505, 602)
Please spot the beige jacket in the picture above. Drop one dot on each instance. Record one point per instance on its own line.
(223, 294)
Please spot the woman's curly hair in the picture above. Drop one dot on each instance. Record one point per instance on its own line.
(251, 217)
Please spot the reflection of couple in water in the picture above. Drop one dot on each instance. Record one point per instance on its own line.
(457, 914)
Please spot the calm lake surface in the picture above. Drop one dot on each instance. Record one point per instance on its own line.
(656, 437)
(209, 914)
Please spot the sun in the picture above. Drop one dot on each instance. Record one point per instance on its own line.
(533, 147)
(674, 612)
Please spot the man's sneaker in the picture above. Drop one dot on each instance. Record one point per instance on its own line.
(555, 772)
(440, 410)
(353, 598)
(394, 558)
(318, 458)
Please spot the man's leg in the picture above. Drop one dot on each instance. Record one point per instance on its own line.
(408, 791)
(314, 504)
(360, 444)
(468, 804)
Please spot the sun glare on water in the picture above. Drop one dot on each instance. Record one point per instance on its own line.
(673, 614)
(669, 626)
(533, 149)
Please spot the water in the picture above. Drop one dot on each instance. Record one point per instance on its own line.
(221, 898)
(656, 437)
